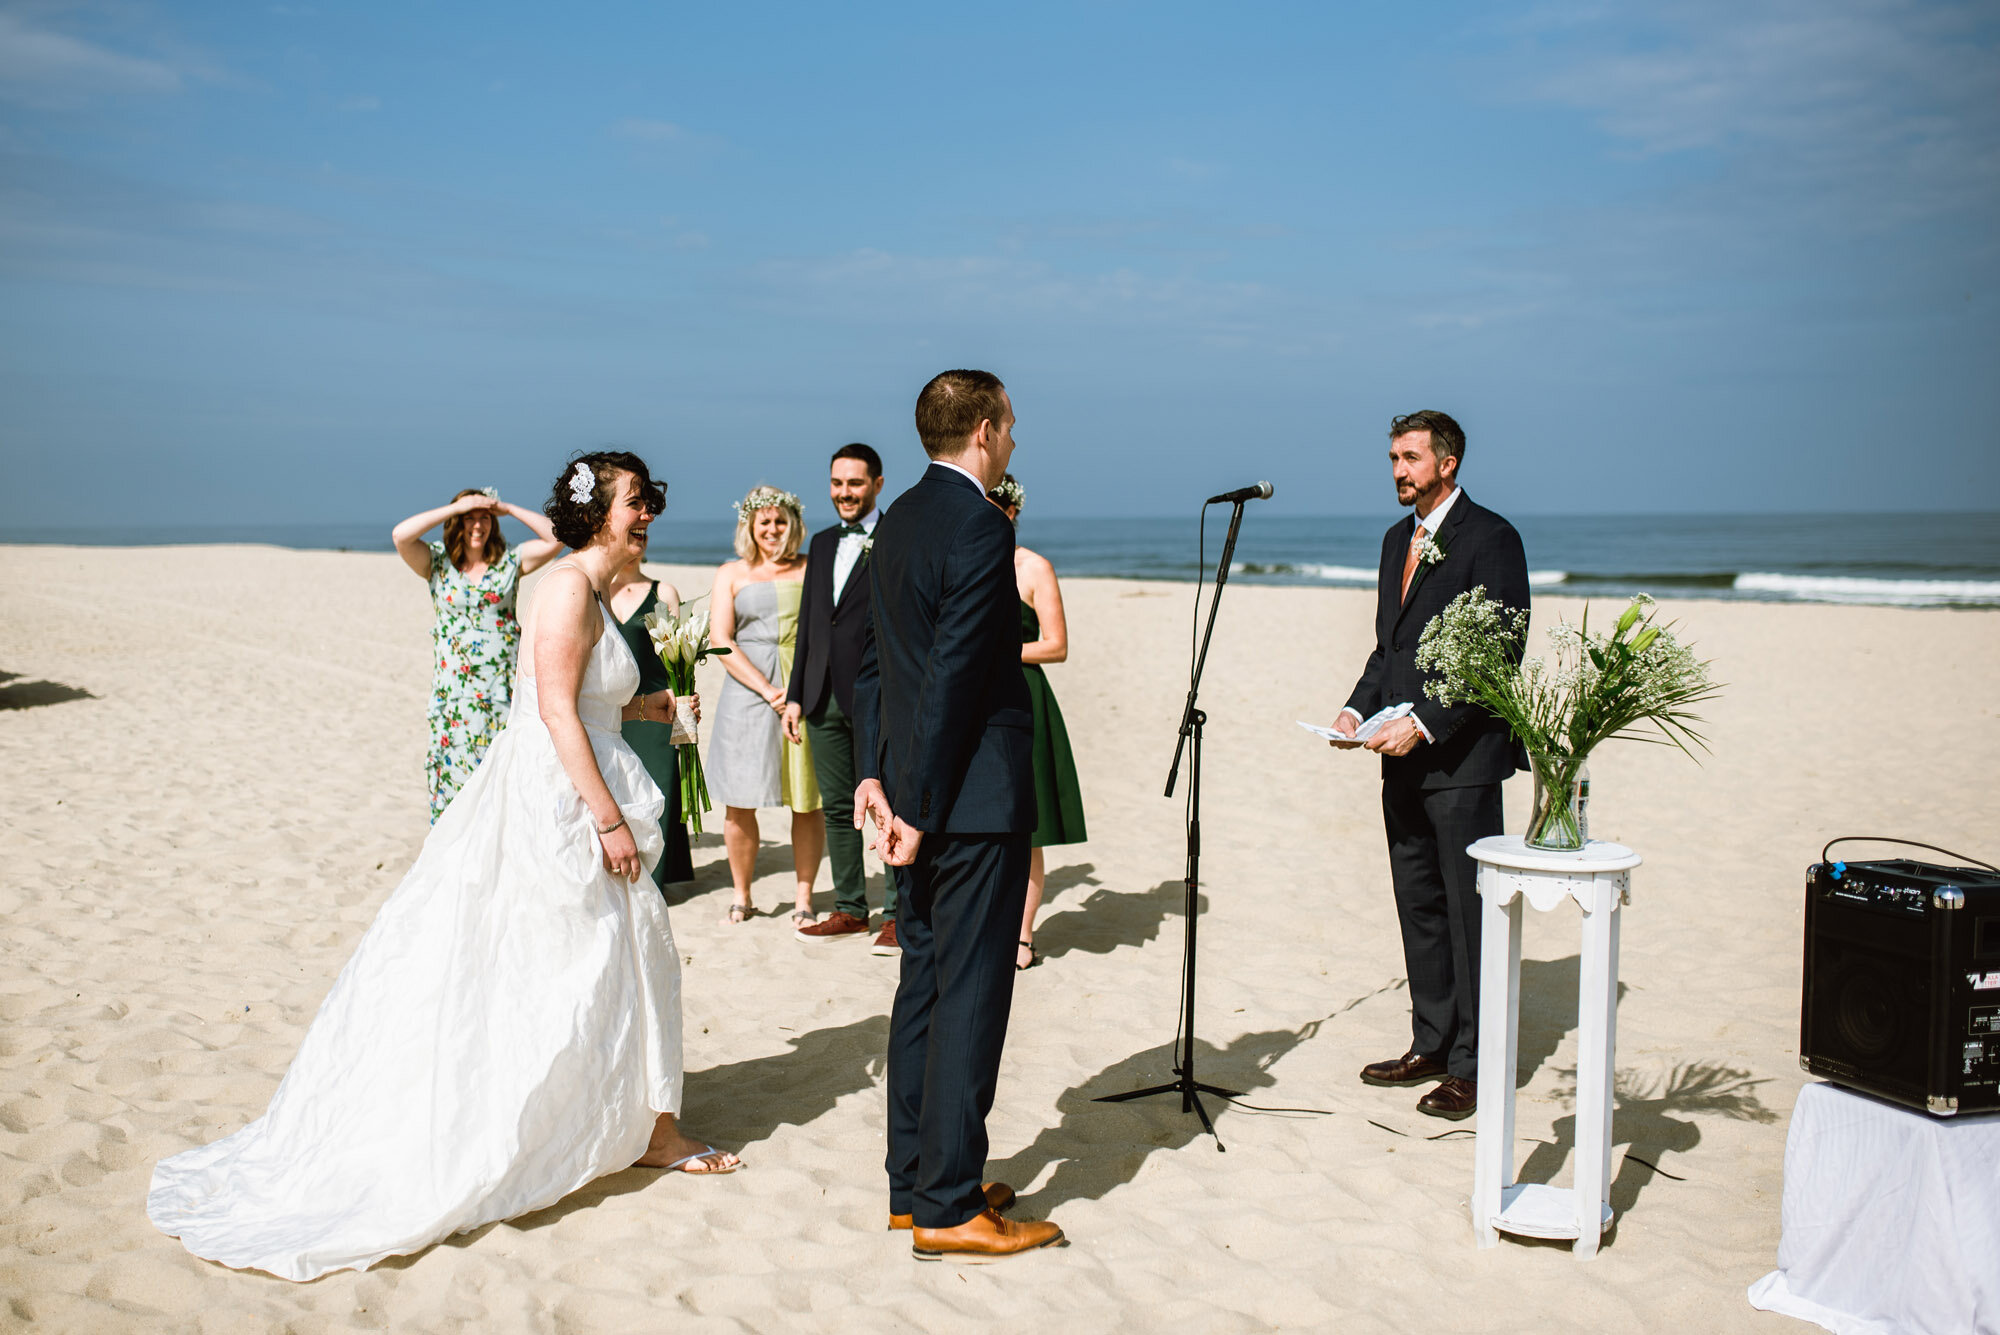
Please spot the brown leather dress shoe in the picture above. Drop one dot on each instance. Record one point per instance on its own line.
(886, 944)
(998, 1197)
(1455, 1099)
(1412, 1068)
(984, 1237)
(833, 924)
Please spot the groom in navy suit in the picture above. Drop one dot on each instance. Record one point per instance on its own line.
(1442, 765)
(943, 747)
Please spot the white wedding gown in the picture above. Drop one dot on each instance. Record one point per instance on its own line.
(506, 1031)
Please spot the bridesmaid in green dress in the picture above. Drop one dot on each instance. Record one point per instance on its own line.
(474, 579)
(1044, 639)
(632, 597)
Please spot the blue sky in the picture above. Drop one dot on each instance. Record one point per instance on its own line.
(316, 262)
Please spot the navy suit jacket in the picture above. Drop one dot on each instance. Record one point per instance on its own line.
(942, 714)
(1469, 746)
(832, 630)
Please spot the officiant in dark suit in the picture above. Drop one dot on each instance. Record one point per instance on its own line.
(1442, 765)
(835, 621)
(947, 776)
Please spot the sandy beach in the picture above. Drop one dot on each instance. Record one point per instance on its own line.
(210, 768)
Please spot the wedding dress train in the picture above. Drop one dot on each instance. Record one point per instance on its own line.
(506, 1031)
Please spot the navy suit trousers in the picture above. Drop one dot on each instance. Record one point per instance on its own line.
(1437, 901)
(958, 917)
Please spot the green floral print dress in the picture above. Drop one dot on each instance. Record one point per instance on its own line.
(474, 644)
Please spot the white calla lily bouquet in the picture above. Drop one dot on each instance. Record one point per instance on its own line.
(681, 641)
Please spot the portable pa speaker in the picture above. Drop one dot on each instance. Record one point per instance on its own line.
(1902, 982)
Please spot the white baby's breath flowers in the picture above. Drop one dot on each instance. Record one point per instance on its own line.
(1430, 553)
(582, 484)
(768, 498)
(1595, 688)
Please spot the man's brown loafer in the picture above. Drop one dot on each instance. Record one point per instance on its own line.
(998, 1197)
(984, 1237)
(1412, 1068)
(1455, 1099)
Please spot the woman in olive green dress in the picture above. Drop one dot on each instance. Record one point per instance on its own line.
(632, 597)
(1044, 639)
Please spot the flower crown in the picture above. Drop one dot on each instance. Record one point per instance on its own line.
(1009, 492)
(765, 498)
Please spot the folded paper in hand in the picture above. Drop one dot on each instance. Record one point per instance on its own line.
(1368, 727)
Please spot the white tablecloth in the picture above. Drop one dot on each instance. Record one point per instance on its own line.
(1891, 1219)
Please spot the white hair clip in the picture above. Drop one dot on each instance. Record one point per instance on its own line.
(582, 483)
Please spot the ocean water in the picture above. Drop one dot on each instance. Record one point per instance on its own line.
(1947, 560)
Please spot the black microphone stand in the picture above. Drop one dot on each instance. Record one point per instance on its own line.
(1192, 721)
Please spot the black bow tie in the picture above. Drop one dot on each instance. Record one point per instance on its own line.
(853, 528)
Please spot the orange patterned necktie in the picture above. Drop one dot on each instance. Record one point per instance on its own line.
(1410, 561)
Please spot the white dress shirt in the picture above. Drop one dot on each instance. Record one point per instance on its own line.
(1429, 524)
(847, 554)
(963, 472)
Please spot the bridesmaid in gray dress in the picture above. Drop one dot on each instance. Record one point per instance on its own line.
(754, 611)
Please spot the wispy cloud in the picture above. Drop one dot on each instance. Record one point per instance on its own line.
(82, 225)
(650, 131)
(650, 139)
(1892, 104)
(41, 67)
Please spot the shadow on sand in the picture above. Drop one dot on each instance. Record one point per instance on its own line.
(1109, 919)
(1069, 878)
(1099, 1147)
(1548, 1010)
(1649, 1119)
(740, 1103)
(18, 694)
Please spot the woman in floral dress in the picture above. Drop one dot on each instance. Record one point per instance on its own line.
(474, 578)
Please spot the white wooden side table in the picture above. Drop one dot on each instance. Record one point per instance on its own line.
(1598, 878)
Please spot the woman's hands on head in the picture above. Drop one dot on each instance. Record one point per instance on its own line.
(539, 550)
(408, 536)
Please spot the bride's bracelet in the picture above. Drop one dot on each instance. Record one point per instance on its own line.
(607, 829)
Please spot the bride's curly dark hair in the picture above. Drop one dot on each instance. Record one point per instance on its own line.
(577, 522)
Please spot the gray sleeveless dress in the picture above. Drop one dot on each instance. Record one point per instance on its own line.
(750, 764)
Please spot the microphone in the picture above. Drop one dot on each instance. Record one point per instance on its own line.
(1260, 492)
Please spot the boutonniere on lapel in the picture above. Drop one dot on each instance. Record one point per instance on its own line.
(867, 546)
(1430, 553)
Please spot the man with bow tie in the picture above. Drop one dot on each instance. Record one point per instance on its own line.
(835, 621)
(1442, 765)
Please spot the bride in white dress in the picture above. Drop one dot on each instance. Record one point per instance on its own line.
(509, 1027)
